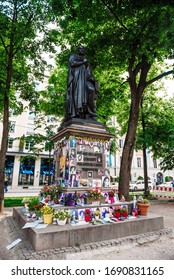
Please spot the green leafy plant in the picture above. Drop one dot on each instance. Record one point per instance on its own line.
(62, 214)
(142, 200)
(32, 203)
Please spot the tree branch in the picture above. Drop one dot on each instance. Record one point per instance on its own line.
(159, 77)
(6, 50)
(114, 14)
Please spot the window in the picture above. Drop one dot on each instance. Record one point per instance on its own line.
(28, 144)
(50, 118)
(30, 129)
(138, 162)
(31, 115)
(10, 143)
(154, 163)
(11, 127)
(121, 143)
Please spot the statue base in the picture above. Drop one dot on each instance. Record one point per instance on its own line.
(82, 151)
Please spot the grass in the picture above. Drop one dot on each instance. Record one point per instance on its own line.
(14, 201)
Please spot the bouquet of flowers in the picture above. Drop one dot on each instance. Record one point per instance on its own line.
(87, 212)
(111, 193)
(46, 210)
(62, 214)
(94, 193)
(71, 196)
(47, 190)
(26, 200)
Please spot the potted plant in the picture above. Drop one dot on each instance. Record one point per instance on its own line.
(32, 203)
(71, 199)
(97, 214)
(95, 195)
(37, 209)
(117, 212)
(143, 205)
(47, 192)
(47, 213)
(56, 192)
(87, 214)
(62, 215)
(111, 195)
(124, 211)
(26, 201)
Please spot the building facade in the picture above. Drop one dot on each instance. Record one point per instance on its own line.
(23, 169)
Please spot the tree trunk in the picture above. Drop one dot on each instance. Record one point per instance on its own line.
(3, 151)
(127, 155)
(146, 191)
(4, 142)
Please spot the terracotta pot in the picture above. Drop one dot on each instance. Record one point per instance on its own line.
(143, 209)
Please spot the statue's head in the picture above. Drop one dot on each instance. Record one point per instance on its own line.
(81, 49)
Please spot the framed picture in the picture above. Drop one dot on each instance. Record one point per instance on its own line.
(90, 174)
(97, 183)
(72, 170)
(97, 150)
(101, 172)
(79, 158)
(99, 158)
(72, 153)
(72, 161)
(105, 182)
(90, 183)
(107, 172)
(72, 143)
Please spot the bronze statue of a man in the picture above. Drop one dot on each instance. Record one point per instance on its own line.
(81, 89)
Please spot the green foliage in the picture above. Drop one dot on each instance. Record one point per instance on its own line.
(14, 201)
(32, 203)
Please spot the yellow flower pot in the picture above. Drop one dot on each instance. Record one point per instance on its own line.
(48, 218)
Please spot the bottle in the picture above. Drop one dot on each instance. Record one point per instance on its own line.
(134, 202)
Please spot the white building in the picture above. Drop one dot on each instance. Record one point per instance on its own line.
(35, 171)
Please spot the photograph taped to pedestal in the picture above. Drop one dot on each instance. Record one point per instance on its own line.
(100, 172)
(107, 172)
(79, 158)
(72, 153)
(90, 174)
(72, 170)
(97, 183)
(90, 183)
(72, 143)
(97, 150)
(99, 159)
(105, 182)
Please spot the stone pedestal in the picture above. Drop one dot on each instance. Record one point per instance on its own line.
(82, 154)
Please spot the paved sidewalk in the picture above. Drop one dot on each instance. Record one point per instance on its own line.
(154, 245)
(20, 192)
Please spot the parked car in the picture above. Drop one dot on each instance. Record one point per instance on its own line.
(166, 184)
(139, 185)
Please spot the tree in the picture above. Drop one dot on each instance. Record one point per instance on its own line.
(126, 36)
(20, 56)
